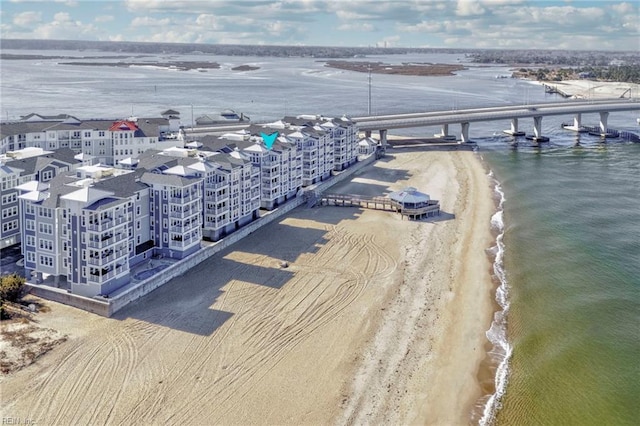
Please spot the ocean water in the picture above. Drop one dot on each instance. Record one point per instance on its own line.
(572, 262)
(567, 335)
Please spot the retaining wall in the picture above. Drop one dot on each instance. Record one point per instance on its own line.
(95, 306)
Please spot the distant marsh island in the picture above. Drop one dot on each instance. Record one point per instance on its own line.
(245, 68)
(406, 68)
(177, 65)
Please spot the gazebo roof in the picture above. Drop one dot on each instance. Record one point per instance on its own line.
(409, 195)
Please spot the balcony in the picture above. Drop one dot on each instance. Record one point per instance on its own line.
(216, 185)
(183, 214)
(105, 224)
(183, 200)
(106, 241)
(100, 275)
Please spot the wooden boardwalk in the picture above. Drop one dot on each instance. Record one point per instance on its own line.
(379, 203)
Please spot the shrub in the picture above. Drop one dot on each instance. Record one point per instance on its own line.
(11, 288)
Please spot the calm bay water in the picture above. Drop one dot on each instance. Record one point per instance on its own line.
(571, 215)
(573, 264)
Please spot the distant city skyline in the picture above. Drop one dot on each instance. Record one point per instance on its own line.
(511, 24)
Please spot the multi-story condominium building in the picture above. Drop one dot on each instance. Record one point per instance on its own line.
(85, 230)
(78, 231)
(108, 141)
(344, 133)
(340, 139)
(19, 167)
(280, 165)
(230, 186)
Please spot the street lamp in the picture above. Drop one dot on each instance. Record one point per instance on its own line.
(369, 103)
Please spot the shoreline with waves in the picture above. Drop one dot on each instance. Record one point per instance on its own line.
(375, 320)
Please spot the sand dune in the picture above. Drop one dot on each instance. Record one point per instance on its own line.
(376, 320)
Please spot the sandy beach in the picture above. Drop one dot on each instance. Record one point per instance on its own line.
(376, 320)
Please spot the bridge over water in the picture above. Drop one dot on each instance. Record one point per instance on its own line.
(383, 123)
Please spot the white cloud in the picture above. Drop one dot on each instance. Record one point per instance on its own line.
(62, 28)
(423, 27)
(70, 3)
(146, 21)
(208, 20)
(26, 19)
(347, 15)
(104, 18)
(356, 26)
(469, 8)
(624, 8)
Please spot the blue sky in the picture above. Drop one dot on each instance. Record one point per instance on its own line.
(584, 25)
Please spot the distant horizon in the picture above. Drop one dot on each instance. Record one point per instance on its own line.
(467, 24)
(299, 46)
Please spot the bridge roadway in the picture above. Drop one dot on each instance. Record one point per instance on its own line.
(383, 123)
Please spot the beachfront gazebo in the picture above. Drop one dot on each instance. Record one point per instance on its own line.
(413, 203)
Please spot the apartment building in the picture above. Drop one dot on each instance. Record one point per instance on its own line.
(19, 167)
(78, 233)
(344, 133)
(280, 166)
(230, 185)
(108, 141)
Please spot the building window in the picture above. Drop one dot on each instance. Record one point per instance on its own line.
(45, 244)
(47, 175)
(30, 224)
(31, 256)
(9, 198)
(44, 212)
(9, 226)
(46, 260)
(45, 228)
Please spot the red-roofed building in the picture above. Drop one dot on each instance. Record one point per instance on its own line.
(123, 125)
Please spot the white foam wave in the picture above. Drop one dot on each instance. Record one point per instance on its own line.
(497, 333)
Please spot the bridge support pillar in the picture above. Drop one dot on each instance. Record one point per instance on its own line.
(444, 133)
(577, 122)
(537, 130)
(464, 133)
(604, 115)
(383, 138)
(513, 131)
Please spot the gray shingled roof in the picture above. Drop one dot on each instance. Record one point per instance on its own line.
(171, 180)
(58, 188)
(124, 185)
(60, 157)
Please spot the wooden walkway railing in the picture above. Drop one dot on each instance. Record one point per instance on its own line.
(379, 203)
